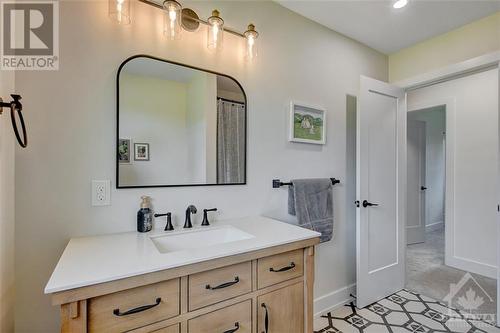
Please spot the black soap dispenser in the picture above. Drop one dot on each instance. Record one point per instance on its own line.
(144, 216)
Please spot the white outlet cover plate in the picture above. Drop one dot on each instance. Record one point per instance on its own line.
(101, 192)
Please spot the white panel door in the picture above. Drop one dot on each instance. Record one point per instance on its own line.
(381, 177)
(415, 185)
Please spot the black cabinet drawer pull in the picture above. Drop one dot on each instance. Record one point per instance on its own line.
(236, 327)
(266, 319)
(224, 285)
(117, 312)
(284, 269)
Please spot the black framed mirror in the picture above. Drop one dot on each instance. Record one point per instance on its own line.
(178, 125)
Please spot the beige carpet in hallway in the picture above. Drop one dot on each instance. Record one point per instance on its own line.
(427, 275)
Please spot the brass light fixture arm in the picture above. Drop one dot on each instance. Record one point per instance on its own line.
(193, 18)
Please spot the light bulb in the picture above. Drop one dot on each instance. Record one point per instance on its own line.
(172, 19)
(215, 31)
(400, 4)
(119, 10)
(251, 39)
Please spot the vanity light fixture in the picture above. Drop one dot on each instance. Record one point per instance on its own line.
(251, 48)
(119, 10)
(215, 32)
(172, 19)
(400, 4)
(177, 19)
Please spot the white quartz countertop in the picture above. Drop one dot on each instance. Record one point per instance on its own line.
(92, 260)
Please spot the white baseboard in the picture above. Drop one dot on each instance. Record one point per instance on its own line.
(434, 226)
(333, 300)
(472, 266)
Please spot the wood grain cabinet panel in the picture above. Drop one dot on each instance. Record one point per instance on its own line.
(279, 268)
(135, 307)
(284, 309)
(170, 329)
(235, 317)
(219, 284)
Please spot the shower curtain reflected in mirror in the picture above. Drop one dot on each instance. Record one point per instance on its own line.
(230, 142)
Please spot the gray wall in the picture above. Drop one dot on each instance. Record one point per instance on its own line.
(71, 118)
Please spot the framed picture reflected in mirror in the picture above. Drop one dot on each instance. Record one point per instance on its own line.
(141, 151)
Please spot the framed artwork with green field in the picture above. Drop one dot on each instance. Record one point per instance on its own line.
(307, 123)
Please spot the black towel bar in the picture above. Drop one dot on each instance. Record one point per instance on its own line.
(277, 183)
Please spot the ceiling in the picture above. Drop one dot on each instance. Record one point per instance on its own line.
(376, 24)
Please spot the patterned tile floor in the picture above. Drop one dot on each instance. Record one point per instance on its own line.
(404, 311)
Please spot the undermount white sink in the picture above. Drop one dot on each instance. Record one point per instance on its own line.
(200, 238)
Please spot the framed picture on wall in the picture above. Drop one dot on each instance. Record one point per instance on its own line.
(307, 124)
(141, 151)
(124, 151)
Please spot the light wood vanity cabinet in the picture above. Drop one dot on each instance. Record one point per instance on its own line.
(237, 318)
(233, 294)
(216, 285)
(112, 313)
(284, 310)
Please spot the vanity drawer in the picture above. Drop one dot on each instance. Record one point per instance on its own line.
(219, 284)
(238, 316)
(279, 268)
(135, 307)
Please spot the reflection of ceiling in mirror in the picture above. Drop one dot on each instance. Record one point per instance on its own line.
(227, 84)
(159, 69)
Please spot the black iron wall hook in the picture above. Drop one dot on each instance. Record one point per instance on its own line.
(16, 106)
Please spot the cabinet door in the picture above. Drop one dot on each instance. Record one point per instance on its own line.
(284, 309)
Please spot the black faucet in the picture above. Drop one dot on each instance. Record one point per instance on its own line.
(205, 216)
(168, 226)
(190, 210)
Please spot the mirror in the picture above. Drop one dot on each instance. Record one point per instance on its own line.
(178, 126)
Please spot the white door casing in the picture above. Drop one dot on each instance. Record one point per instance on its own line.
(416, 182)
(447, 73)
(381, 179)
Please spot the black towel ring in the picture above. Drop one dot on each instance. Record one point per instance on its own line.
(16, 106)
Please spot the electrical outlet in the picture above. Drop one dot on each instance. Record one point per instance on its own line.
(101, 192)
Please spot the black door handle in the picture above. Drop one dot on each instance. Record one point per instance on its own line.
(283, 269)
(266, 318)
(117, 312)
(423, 188)
(224, 285)
(368, 204)
(236, 327)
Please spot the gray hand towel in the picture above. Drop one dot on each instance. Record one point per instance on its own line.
(311, 201)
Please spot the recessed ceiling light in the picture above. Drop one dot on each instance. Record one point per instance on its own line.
(400, 4)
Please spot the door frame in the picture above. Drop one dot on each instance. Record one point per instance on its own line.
(425, 215)
(449, 211)
(450, 72)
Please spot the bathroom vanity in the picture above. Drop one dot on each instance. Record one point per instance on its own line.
(250, 275)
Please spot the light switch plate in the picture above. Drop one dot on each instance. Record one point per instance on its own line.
(101, 193)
